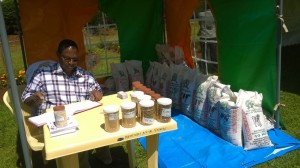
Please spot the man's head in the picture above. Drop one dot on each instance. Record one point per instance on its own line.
(68, 57)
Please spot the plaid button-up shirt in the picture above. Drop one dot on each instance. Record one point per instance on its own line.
(59, 88)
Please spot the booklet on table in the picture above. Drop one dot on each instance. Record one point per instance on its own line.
(71, 127)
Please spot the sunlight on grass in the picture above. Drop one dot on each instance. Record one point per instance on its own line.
(8, 134)
(8, 127)
(16, 57)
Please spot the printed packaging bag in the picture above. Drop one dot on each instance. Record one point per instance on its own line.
(134, 70)
(119, 73)
(254, 132)
(175, 85)
(201, 105)
(231, 122)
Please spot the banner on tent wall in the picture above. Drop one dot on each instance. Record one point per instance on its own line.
(246, 32)
(46, 23)
(178, 14)
(140, 27)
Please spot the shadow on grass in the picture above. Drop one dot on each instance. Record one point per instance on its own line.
(119, 156)
(290, 68)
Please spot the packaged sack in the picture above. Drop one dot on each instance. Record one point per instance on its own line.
(156, 77)
(230, 122)
(119, 73)
(149, 74)
(190, 82)
(215, 93)
(134, 70)
(165, 76)
(254, 132)
(175, 84)
(201, 105)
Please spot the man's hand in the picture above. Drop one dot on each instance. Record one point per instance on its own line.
(96, 95)
(36, 99)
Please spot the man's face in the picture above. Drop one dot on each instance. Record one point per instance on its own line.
(69, 59)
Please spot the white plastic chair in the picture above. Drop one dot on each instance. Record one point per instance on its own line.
(34, 135)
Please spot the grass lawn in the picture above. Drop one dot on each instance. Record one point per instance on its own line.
(290, 115)
(290, 96)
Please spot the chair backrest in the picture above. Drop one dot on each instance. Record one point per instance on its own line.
(7, 101)
(31, 68)
(34, 134)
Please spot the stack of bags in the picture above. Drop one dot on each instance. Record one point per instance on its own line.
(236, 117)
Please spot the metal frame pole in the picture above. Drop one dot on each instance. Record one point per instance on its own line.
(279, 40)
(14, 90)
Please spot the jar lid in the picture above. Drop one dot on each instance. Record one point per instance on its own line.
(164, 101)
(59, 108)
(136, 93)
(146, 103)
(128, 105)
(144, 97)
(110, 109)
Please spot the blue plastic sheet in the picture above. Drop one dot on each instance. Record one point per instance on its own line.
(192, 145)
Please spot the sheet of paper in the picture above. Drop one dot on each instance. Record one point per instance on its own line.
(81, 106)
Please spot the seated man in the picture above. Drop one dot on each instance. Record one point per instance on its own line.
(64, 83)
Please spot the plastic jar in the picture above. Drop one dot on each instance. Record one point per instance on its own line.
(111, 114)
(60, 116)
(128, 114)
(164, 109)
(140, 98)
(147, 112)
(135, 94)
(155, 96)
(143, 97)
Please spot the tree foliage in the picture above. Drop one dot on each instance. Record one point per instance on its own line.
(10, 17)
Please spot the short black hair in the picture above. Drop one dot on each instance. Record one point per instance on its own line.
(65, 44)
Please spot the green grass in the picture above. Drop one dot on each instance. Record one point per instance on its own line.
(16, 55)
(290, 96)
(8, 134)
(290, 114)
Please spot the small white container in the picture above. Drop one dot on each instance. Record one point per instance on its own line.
(164, 106)
(143, 97)
(135, 94)
(111, 114)
(60, 116)
(128, 114)
(147, 112)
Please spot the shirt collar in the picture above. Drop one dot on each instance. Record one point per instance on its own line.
(59, 70)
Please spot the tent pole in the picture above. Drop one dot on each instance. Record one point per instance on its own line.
(14, 90)
(279, 40)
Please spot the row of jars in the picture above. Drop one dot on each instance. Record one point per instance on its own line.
(142, 108)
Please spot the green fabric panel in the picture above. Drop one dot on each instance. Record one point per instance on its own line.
(140, 27)
(246, 32)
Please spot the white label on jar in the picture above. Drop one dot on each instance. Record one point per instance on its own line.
(59, 115)
(130, 114)
(59, 118)
(148, 120)
(166, 112)
(113, 116)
